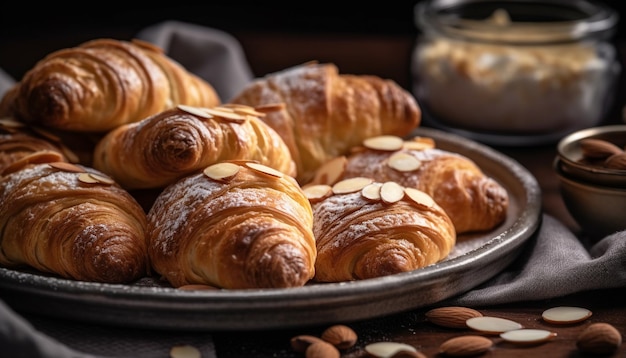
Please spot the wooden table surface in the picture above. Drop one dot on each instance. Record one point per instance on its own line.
(387, 56)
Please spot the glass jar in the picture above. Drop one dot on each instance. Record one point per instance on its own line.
(514, 72)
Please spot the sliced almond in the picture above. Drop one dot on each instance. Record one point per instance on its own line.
(452, 317)
(196, 111)
(93, 178)
(384, 142)
(8, 122)
(222, 171)
(270, 107)
(419, 143)
(528, 336)
(322, 349)
(492, 325)
(226, 113)
(391, 192)
(317, 192)
(39, 157)
(565, 315)
(185, 351)
(261, 168)
(388, 349)
(403, 162)
(372, 191)
(419, 197)
(244, 110)
(331, 171)
(67, 167)
(351, 185)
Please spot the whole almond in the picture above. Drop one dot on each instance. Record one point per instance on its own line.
(616, 161)
(340, 336)
(322, 350)
(302, 342)
(452, 316)
(464, 346)
(598, 149)
(599, 338)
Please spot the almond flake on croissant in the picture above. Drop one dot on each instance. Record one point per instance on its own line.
(160, 149)
(102, 84)
(473, 200)
(326, 113)
(367, 229)
(236, 225)
(71, 221)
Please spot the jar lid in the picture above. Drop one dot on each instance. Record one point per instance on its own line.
(517, 21)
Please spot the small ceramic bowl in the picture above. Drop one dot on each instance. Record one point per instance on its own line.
(573, 161)
(593, 191)
(599, 210)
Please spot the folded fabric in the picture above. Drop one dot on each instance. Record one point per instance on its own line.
(554, 263)
(214, 55)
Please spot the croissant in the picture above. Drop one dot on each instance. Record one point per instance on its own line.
(474, 201)
(102, 84)
(71, 221)
(160, 149)
(18, 145)
(235, 225)
(366, 229)
(326, 113)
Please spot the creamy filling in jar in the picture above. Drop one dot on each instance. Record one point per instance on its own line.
(490, 75)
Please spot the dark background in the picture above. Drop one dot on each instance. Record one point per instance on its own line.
(359, 37)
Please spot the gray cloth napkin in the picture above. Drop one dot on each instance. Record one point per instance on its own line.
(563, 264)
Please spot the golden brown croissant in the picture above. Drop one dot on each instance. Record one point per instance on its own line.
(102, 84)
(71, 221)
(160, 149)
(367, 229)
(236, 225)
(473, 200)
(327, 113)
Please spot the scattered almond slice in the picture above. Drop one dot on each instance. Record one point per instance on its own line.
(68, 167)
(391, 192)
(196, 111)
(226, 113)
(244, 110)
(388, 349)
(185, 351)
(264, 169)
(565, 315)
(419, 197)
(419, 143)
(351, 185)
(492, 325)
(270, 107)
(528, 336)
(8, 122)
(222, 171)
(372, 191)
(317, 192)
(403, 162)
(331, 171)
(40, 157)
(384, 142)
(92, 178)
